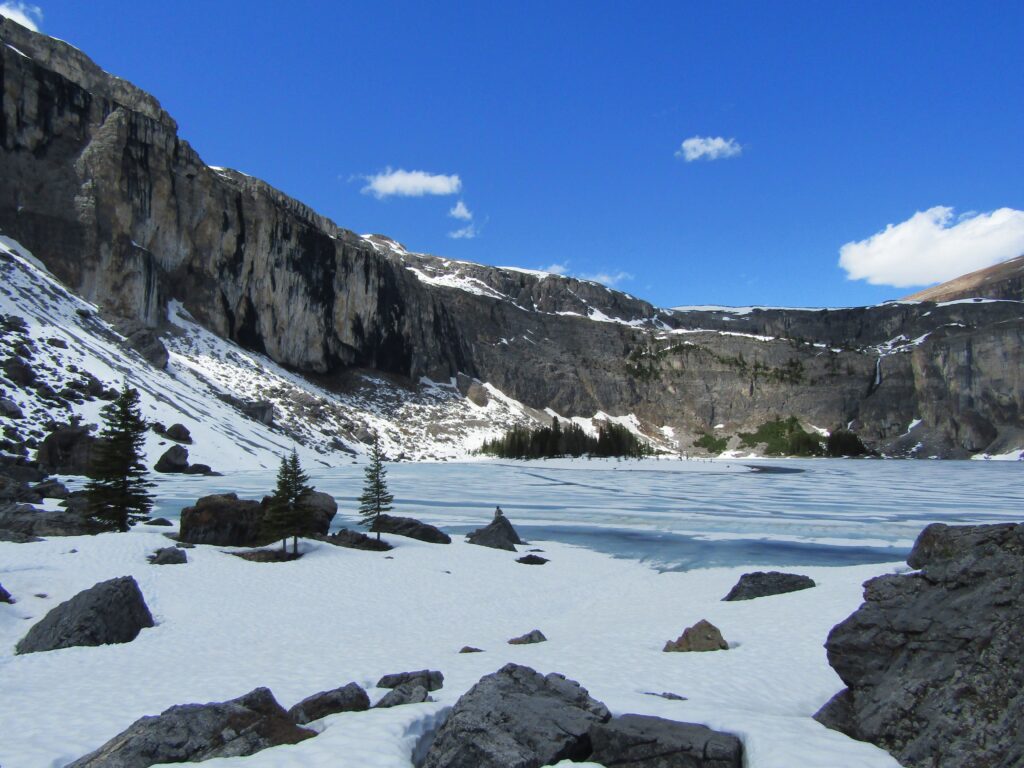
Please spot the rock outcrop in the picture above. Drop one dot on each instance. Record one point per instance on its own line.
(497, 534)
(517, 718)
(639, 741)
(408, 526)
(348, 698)
(934, 661)
(702, 636)
(99, 185)
(112, 611)
(765, 583)
(196, 732)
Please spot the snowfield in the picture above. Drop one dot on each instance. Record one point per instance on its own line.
(226, 626)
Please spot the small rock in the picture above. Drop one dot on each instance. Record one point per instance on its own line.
(639, 741)
(197, 732)
(702, 636)
(199, 469)
(765, 583)
(533, 636)
(112, 611)
(348, 698)
(169, 556)
(430, 679)
(414, 529)
(173, 461)
(158, 521)
(10, 409)
(532, 560)
(470, 649)
(356, 540)
(179, 433)
(407, 693)
(5, 596)
(666, 695)
(498, 534)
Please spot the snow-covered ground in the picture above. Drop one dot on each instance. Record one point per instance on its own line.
(225, 626)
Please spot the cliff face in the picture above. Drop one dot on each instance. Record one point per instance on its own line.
(97, 183)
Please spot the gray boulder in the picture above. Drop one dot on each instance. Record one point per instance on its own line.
(702, 636)
(223, 520)
(21, 469)
(934, 661)
(356, 540)
(532, 560)
(169, 556)
(430, 679)
(5, 596)
(197, 732)
(67, 450)
(406, 693)
(161, 521)
(51, 489)
(348, 698)
(324, 509)
(112, 611)
(414, 529)
(174, 460)
(10, 409)
(498, 534)
(12, 490)
(765, 583)
(638, 741)
(31, 522)
(531, 637)
(517, 718)
(179, 433)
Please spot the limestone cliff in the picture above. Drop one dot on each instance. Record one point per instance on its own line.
(97, 183)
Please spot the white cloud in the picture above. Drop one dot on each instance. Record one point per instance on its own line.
(467, 232)
(708, 148)
(930, 248)
(410, 184)
(557, 269)
(29, 16)
(460, 211)
(611, 279)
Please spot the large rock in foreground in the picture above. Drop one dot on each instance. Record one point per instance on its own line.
(639, 741)
(223, 520)
(196, 732)
(934, 661)
(112, 611)
(517, 718)
(414, 529)
(765, 583)
(498, 534)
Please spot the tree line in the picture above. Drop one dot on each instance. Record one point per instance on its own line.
(522, 442)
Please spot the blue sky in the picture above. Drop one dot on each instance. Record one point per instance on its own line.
(564, 124)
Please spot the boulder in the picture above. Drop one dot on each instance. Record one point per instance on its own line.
(498, 534)
(356, 540)
(67, 450)
(51, 489)
(406, 693)
(765, 583)
(31, 522)
(162, 521)
(259, 410)
(12, 490)
(145, 341)
(348, 698)
(178, 433)
(5, 596)
(18, 372)
(17, 537)
(197, 732)
(430, 679)
(517, 718)
(531, 637)
(934, 661)
(639, 741)
(10, 409)
(414, 529)
(200, 469)
(112, 611)
(21, 469)
(532, 560)
(174, 460)
(223, 520)
(324, 509)
(702, 636)
(470, 649)
(169, 556)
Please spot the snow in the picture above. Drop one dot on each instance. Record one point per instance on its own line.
(225, 626)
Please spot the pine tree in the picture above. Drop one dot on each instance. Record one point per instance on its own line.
(117, 494)
(288, 511)
(375, 499)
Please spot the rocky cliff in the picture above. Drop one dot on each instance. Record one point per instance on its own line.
(98, 184)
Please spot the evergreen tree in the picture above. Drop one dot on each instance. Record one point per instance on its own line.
(288, 512)
(375, 499)
(117, 494)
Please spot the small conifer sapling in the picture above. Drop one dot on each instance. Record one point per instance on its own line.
(288, 511)
(375, 499)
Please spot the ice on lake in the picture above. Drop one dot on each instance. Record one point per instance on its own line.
(678, 514)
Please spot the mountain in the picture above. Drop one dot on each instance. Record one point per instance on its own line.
(125, 214)
(1002, 281)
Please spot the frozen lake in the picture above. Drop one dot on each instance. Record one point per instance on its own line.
(678, 514)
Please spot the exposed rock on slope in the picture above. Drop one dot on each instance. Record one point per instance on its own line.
(1002, 281)
(933, 660)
